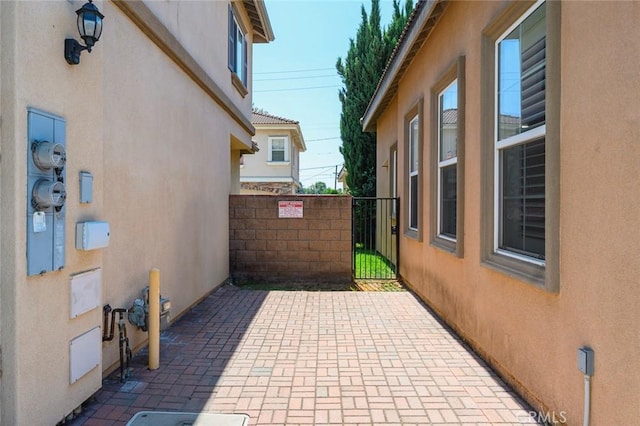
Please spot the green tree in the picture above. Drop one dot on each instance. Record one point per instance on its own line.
(318, 188)
(360, 72)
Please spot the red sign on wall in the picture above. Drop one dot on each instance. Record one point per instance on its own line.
(290, 209)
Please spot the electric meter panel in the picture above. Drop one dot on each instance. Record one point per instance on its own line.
(47, 155)
(46, 191)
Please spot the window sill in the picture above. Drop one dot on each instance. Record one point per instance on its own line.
(518, 269)
(413, 234)
(278, 163)
(445, 245)
(238, 84)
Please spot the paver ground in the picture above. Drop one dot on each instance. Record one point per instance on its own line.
(312, 357)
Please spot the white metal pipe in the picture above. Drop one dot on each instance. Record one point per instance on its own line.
(587, 399)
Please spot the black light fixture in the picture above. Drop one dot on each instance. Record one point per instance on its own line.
(90, 29)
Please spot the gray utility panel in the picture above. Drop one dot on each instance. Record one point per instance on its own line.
(46, 192)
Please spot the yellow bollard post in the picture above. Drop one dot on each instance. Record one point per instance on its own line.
(154, 319)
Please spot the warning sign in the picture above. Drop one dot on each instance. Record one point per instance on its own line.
(290, 209)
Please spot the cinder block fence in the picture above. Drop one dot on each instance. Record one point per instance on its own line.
(289, 237)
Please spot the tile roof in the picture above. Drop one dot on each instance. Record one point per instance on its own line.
(450, 116)
(263, 118)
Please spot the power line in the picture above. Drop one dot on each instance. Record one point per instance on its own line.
(321, 167)
(295, 78)
(292, 71)
(322, 139)
(295, 88)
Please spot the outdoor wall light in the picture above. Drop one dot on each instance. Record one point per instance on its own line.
(90, 29)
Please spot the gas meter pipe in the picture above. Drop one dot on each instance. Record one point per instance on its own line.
(154, 319)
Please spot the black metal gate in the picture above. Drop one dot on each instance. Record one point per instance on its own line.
(374, 238)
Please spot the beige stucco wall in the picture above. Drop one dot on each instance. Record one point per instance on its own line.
(529, 335)
(153, 141)
(201, 28)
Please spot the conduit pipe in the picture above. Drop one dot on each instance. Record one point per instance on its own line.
(587, 399)
(154, 319)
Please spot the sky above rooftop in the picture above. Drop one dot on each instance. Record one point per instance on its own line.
(295, 75)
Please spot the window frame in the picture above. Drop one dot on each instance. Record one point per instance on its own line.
(287, 152)
(454, 73)
(237, 40)
(416, 112)
(524, 268)
(393, 177)
(501, 145)
(442, 164)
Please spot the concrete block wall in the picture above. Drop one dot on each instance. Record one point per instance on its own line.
(265, 247)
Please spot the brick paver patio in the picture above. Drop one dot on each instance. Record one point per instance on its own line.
(295, 357)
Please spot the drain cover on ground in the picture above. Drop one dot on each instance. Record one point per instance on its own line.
(160, 418)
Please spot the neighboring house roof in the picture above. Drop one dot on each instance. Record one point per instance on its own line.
(450, 116)
(263, 33)
(419, 25)
(263, 120)
(342, 175)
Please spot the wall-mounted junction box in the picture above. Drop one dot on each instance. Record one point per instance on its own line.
(92, 235)
(86, 187)
(585, 360)
(46, 192)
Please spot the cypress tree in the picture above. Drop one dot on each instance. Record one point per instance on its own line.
(360, 72)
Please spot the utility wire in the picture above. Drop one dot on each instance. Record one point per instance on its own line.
(295, 88)
(321, 167)
(292, 71)
(322, 139)
(295, 78)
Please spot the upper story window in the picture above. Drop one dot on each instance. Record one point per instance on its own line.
(447, 161)
(237, 49)
(520, 132)
(278, 149)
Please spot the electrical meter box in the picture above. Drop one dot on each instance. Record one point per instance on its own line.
(92, 235)
(46, 191)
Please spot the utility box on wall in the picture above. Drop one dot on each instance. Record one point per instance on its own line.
(46, 192)
(92, 235)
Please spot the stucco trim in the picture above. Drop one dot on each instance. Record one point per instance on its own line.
(546, 277)
(159, 34)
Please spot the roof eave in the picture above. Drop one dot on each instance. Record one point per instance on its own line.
(303, 146)
(418, 32)
(263, 32)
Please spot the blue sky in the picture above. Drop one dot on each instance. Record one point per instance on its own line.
(295, 77)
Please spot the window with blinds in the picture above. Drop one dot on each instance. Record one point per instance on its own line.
(278, 149)
(520, 138)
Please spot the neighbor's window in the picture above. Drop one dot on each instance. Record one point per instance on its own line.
(414, 162)
(447, 161)
(278, 149)
(237, 49)
(520, 132)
